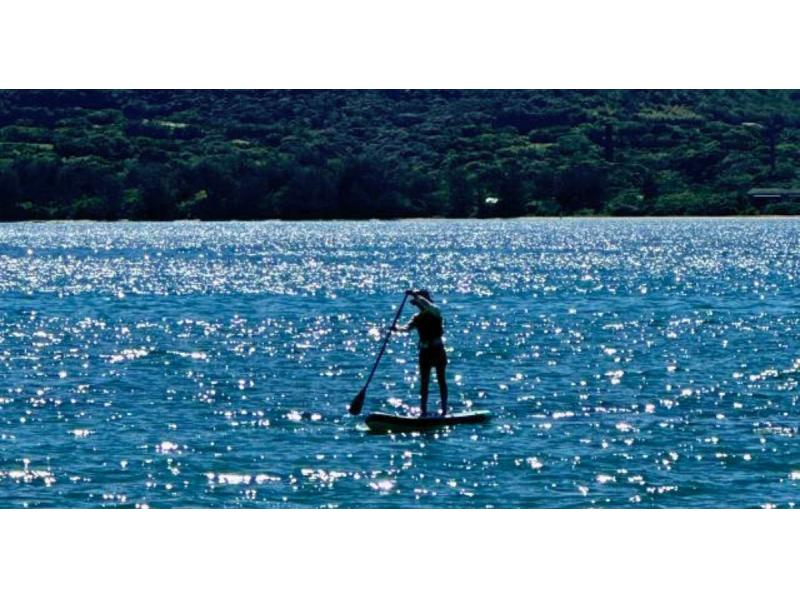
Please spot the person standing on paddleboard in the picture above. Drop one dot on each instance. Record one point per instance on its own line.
(430, 326)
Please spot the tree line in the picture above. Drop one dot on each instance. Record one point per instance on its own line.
(163, 155)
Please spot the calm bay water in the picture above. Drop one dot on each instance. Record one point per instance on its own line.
(647, 363)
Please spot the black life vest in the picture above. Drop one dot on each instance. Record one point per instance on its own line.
(429, 326)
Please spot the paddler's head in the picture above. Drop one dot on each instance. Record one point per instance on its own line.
(421, 293)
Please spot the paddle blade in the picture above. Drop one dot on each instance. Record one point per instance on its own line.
(358, 402)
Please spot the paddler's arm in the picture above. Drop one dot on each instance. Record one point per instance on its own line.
(425, 305)
(412, 323)
(408, 327)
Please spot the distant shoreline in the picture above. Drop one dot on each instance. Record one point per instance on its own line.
(415, 219)
(247, 155)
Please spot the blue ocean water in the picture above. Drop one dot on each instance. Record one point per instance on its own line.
(628, 363)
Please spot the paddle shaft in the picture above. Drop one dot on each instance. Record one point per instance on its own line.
(386, 341)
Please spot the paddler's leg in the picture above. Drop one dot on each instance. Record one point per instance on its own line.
(442, 380)
(425, 380)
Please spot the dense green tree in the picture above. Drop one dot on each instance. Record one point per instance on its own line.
(582, 187)
(10, 193)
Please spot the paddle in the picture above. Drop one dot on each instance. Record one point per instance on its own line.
(358, 402)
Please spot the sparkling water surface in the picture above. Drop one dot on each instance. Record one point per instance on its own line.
(643, 362)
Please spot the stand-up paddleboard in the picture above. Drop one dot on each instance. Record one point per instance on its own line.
(387, 422)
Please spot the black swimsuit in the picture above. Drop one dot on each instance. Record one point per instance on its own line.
(431, 347)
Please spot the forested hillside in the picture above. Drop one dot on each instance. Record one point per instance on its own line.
(386, 154)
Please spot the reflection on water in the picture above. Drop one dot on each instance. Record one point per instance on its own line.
(627, 362)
